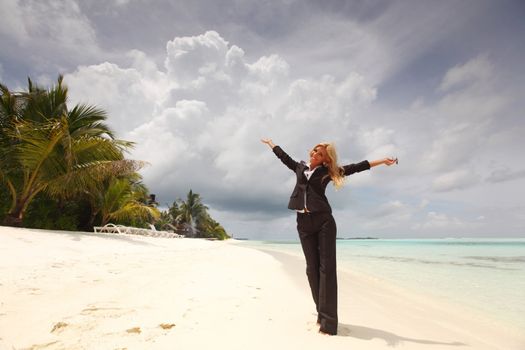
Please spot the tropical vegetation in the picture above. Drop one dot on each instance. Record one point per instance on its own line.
(63, 168)
(191, 218)
(59, 160)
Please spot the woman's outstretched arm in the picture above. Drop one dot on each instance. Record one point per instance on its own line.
(285, 158)
(385, 161)
(366, 165)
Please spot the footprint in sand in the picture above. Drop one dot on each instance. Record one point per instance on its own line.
(138, 330)
(59, 327)
(134, 330)
(167, 325)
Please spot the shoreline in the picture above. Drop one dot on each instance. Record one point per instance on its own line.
(365, 288)
(64, 290)
(472, 289)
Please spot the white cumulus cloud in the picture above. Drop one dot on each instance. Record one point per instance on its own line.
(199, 121)
(199, 118)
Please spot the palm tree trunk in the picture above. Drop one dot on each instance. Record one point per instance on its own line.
(12, 221)
(92, 217)
(15, 216)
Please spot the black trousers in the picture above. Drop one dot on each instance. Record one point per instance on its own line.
(317, 232)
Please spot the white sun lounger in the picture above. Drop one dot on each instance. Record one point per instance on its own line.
(121, 229)
(111, 228)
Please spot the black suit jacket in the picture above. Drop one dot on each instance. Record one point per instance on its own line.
(312, 191)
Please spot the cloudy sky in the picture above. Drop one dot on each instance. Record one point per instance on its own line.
(196, 84)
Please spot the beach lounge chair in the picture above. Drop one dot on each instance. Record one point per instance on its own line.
(165, 234)
(121, 229)
(111, 228)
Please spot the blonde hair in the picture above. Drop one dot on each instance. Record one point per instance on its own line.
(335, 172)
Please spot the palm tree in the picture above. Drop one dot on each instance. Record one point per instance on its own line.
(210, 228)
(191, 211)
(123, 200)
(46, 147)
(191, 218)
(165, 221)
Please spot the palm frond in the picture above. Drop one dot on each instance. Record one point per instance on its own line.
(91, 176)
(133, 210)
(88, 120)
(37, 141)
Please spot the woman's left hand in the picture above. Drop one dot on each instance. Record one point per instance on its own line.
(390, 161)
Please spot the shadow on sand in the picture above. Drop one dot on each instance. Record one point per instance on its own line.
(79, 235)
(391, 339)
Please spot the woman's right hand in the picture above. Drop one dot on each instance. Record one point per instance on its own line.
(269, 142)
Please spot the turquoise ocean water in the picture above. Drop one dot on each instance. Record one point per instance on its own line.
(487, 275)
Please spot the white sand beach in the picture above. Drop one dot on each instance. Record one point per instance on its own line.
(71, 290)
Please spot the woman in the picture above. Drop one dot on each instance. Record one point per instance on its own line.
(315, 224)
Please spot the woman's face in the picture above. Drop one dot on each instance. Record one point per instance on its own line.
(318, 156)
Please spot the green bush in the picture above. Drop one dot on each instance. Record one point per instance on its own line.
(49, 214)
